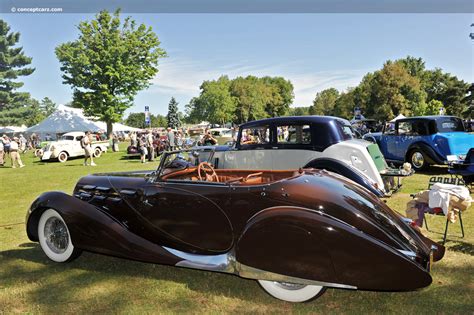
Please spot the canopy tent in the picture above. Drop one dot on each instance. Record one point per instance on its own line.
(400, 116)
(117, 127)
(13, 129)
(64, 119)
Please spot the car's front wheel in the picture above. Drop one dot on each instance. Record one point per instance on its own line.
(97, 152)
(54, 237)
(417, 158)
(292, 292)
(62, 157)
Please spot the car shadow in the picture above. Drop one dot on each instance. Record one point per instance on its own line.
(462, 247)
(62, 282)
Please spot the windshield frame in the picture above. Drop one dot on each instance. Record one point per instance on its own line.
(166, 154)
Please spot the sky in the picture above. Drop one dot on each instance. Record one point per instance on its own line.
(313, 51)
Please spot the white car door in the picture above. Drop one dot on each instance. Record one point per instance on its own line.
(254, 150)
(294, 146)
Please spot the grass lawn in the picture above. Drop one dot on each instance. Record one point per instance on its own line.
(30, 283)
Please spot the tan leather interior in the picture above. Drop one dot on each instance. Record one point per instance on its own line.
(235, 176)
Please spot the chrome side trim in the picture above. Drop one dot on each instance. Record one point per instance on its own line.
(220, 263)
(258, 274)
(408, 253)
(227, 263)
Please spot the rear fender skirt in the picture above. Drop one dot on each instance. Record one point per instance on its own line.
(93, 230)
(433, 157)
(309, 244)
(345, 170)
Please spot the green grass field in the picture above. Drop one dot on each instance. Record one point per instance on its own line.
(30, 283)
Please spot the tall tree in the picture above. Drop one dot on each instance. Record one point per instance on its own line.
(34, 113)
(48, 106)
(109, 64)
(173, 117)
(324, 102)
(13, 64)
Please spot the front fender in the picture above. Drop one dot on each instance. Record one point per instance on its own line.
(345, 170)
(308, 244)
(93, 230)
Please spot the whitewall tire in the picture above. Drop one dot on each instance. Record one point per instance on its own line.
(62, 157)
(97, 152)
(291, 292)
(54, 237)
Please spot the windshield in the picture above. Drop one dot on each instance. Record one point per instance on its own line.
(346, 130)
(176, 161)
(449, 124)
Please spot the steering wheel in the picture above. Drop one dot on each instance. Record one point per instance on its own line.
(207, 168)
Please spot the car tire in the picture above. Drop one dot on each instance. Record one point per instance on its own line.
(38, 152)
(290, 292)
(54, 237)
(63, 156)
(97, 152)
(417, 158)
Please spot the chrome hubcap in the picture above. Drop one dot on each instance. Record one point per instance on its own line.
(289, 286)
(57, 237)
(417, 159)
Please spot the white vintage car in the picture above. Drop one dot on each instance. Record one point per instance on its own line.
(69, 145)
(311, 142)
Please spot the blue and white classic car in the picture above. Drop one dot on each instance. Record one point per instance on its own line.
(424, 140)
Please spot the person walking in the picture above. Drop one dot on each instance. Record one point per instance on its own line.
(23, 143)
(15, 153)
(142, 148)
(171, 140)
(2, 152)
(86, 145)
(149, 145)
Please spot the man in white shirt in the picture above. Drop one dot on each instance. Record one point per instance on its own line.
(15, 154)
(86, 144)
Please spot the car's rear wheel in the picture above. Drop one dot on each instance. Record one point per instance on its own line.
(417, 158)
(62, 157)
(97, 152)
(292, 292)
(54, 237)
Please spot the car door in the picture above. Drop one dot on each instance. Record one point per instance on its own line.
(190, 213)
(293, 147)
(253, 150)
(406, 136)
(388, 142)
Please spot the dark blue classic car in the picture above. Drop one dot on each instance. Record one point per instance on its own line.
(424, 140)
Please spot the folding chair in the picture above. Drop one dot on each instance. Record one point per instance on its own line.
(464, 170)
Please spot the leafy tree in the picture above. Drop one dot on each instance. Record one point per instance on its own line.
(433, 107)
(345, 104)
(34, 113)
(137, 120)
(13, 64)
(282, 96)
(172, 117)
(48, 106)
(324, 101)
(109, 64)
(299, 111)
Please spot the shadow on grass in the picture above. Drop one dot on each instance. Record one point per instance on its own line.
(462, 247)
(61, 285)
(435, 170)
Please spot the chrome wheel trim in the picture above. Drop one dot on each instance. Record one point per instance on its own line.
(62, 157)
(56, 234)
(289, 286)
(417, 159)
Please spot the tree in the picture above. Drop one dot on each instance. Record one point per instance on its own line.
(13, 64)
(109, 64)
(34, 113)
(172, 117)
(137, 120)
(282, 96)
(345, 104)
(299, 111)
(433, 107)
(324, 102)
(48, 106)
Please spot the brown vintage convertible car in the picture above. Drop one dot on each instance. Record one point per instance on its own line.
(296, 232)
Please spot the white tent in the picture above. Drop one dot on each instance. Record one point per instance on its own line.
(13, 129)
(400, 116)
(64, 119)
